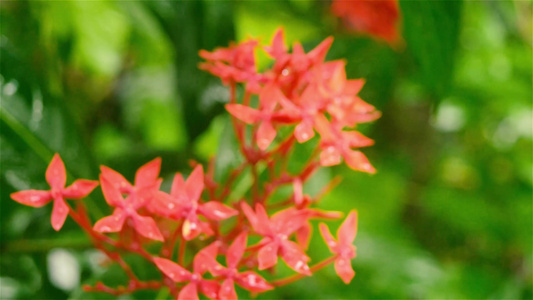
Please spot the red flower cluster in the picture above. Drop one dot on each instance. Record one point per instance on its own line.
(378, 18)
(300, 92)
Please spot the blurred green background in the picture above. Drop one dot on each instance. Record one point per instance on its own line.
(448, 215)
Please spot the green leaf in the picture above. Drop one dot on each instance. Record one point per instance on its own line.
(431, 30)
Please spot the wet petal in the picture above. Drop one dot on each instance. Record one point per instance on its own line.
(236, 250)
(79, 189)
(210, 288)
(114, 178)
(189, 292)
(295, 257)
(356, 160)
(148, 173)
(147, 227)
(303, 235)
(268, 255)
(165, 205)
(34, 198)
(56, 175)
(328, 237)
(289, 220)
(178, 185)
(59, 213)
(227, 290)
(355, 139)
(344, 269)
(217, 211)
(251, 281)
(244, 113)
(171, 269)
(195, 183)
(348, 229)
(304, 131)
(330, 156)
(298, 191)
(191, 228)
(265, 135)
(111, 193)
(111, 223)
(205, 260)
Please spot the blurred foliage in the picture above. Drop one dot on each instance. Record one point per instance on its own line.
(449, 214)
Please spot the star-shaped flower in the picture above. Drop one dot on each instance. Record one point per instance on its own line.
(56, 176)
(201, 265)
(342, 247)
(138, 195)
(183, 203)
(336, 143)
(249, 280)
(276, 232)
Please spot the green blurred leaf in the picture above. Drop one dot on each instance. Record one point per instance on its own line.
(431, 30)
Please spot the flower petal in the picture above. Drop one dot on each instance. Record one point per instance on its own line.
(178, 185)
(210, 288)
(244, 113)
(195, 183)
(344, 269)
(148, 173)
(295, 257)
(217, 211)
(34, 198)
(303, 235)
(330, 156)
(56, 175)
(171, 269)
(289, 220)
(80, 188)
(164, 205)
(297, 191)
(253, 282)
(356, 160)
(189, 292)
(205, 260)
(355, 139)
(59, 213)
(236, 250)
(114, 178)
(111, 192)
(348, 229)
(227, 290)
(304, 131)
(111, 223)
(191, 228)
(328, 237)
(147, 227)
(268, 255)
(265, 135)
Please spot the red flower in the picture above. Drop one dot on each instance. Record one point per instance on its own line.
(336, 143)
(56, 176)
(290, 70)
(139, 195)
(342, 247)
(264, 116)
(183, 202)
(235, 63)
(276, 232)
(249, 280)
(378, 18)
(177, 273)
